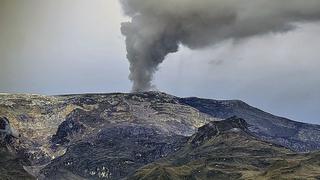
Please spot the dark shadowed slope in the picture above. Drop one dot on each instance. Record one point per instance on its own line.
(114, 152)
(11, 166)
(11, 162)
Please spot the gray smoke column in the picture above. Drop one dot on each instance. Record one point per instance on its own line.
(158, 27)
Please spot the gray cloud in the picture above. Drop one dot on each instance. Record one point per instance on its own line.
(157, 28)
(278, 73)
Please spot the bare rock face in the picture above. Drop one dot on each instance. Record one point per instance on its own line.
(110, 136)
(6, 131)
(208, 131)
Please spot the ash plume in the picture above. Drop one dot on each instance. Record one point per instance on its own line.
(158, 27)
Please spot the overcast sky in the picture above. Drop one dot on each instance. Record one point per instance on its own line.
(75, 46)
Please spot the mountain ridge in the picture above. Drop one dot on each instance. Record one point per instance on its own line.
(107, 126)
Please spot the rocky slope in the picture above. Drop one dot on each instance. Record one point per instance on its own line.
(110, 136)
(228, 150)
(11, 163)
(114, 152)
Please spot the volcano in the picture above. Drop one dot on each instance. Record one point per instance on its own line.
(150, 135)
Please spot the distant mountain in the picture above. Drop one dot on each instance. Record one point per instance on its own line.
(297, 136)
(112, 136)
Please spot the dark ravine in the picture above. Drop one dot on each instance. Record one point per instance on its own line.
(114, 152)
(114, 136)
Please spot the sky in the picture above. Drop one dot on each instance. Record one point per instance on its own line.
(76, 46)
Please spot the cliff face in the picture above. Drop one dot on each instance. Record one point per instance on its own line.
(112, 135)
